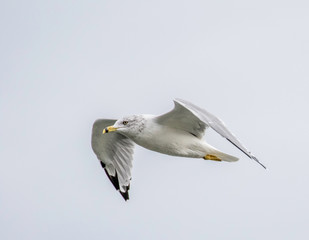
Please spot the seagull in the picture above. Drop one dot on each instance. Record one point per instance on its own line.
(176, 133)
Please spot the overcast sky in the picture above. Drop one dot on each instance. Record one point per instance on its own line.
(65, 64)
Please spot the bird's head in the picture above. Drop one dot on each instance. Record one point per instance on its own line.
(128, 126)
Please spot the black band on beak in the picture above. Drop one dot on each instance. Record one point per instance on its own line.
(106, 130)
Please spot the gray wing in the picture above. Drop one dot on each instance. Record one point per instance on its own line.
(115, 152)
(195, 120)
(183, 118)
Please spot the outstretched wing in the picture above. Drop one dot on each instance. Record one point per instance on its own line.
(193, 119)
(183, 118)
(115, 152)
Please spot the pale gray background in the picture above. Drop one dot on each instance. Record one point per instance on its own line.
(66, 63)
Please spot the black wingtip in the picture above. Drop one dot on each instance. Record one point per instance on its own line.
(255, 159)
(250, 156)
(115, 182)
(125, 195)
(113, 179)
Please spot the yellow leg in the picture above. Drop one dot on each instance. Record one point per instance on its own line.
(212, 157)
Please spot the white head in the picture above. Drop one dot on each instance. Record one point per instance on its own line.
(128, 126)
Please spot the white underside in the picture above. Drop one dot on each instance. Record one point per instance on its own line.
(176, 142)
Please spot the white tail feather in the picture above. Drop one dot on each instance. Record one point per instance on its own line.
(225, 157)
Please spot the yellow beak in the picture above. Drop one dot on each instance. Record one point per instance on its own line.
(109, 129)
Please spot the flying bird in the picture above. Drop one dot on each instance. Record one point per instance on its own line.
(177, 133)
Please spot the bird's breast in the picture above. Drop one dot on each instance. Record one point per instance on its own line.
(170, 141)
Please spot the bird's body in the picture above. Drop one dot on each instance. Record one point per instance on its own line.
(176, 143)
(171, 141)
(177, 133)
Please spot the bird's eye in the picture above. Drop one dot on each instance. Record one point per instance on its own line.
(125, 122)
